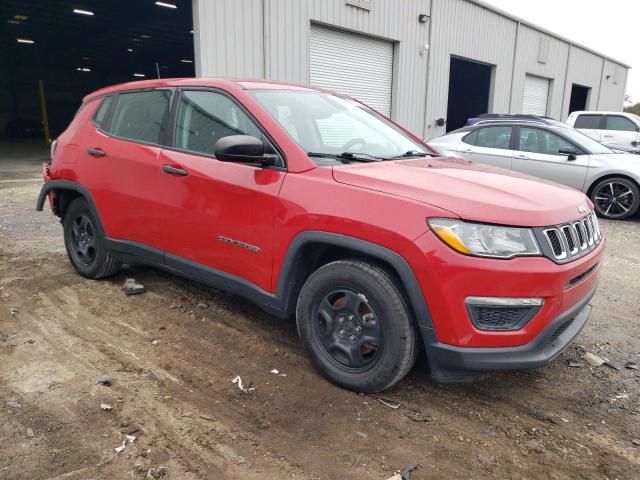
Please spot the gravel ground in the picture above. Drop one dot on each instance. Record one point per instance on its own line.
(171, 353)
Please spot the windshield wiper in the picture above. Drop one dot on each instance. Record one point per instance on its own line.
(415, 153)
(347, 156)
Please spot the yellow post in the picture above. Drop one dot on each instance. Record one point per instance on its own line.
(43, 108)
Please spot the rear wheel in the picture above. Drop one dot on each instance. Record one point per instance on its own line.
(616, 198)
(84, 243)
(356, 327)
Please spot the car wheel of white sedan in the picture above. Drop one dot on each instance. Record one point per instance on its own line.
(616, 198)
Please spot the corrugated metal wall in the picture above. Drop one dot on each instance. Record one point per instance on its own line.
(287, 48)
(585, 68)
(270, 39)
(527, 61)
(473, 32)
(614, 84)
(228, 38)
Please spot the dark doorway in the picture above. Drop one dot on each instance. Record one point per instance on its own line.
(469, 90)
(74, 47)
(579, 97)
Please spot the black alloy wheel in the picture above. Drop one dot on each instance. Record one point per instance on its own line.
(83, 240)
(616, 198)
(356, 326)
(348, 329)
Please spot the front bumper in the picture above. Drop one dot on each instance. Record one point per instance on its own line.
(449, 363)
(456, 348)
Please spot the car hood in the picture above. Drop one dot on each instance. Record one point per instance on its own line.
(471, 191)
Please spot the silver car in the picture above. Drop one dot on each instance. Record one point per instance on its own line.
(556, 152)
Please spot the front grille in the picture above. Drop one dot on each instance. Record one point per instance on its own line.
(570, 241)
(501, 317)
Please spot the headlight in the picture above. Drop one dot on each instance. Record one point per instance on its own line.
(485, 240)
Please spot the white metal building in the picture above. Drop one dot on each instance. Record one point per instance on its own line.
(417, 60)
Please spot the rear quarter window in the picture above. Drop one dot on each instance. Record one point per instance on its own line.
(101, 113)
(471, 139)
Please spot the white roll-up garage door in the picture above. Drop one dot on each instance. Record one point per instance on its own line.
(353, 64)
(536, 95)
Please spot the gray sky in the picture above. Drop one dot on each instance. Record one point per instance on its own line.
(609, 27)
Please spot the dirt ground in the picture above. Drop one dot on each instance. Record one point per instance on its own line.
(172, 352)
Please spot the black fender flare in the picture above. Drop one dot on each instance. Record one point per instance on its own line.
(55, 185)
(396, 261)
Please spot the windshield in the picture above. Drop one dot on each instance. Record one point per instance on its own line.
(324, 124)
(588, 144)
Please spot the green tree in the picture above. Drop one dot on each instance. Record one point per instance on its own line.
(633, 109)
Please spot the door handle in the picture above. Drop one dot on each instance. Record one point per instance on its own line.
(174, 170)
(469, 150)
(608, 136)
(96, 152)
(522, 156)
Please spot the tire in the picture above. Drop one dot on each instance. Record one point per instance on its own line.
(356, 327)
(84, 243)
(616, 198)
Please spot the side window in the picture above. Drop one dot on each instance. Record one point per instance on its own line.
(101, 112)
(139, 115)
(494, 137)
(622, 124)
(472, 138)
(588, 122)
(206, 117)
(538, 141)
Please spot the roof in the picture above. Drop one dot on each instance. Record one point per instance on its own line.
(243, 83)
(600, 112)
(544, 30)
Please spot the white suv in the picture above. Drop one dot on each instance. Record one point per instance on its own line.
(611, 128)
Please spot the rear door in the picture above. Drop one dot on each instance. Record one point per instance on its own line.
(590, 124)
(491, 145)
(121, 159)
(538, 154)
(620, 130)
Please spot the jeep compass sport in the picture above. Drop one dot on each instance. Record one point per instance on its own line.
(313, 205)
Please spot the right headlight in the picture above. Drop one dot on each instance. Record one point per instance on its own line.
(483, 240)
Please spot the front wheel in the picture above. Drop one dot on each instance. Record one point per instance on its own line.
(616, 198)
(356, 327)
(84, 243)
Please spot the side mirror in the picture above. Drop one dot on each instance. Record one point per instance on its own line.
(243, 149)
(571, 153)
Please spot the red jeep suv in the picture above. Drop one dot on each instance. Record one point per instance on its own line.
(314, 205)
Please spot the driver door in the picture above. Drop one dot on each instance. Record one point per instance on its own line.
(217, 214)
(538, 154)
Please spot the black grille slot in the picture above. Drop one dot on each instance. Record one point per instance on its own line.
(587, 229)
(582, 276)
(556, 243)
(559, 331)
(568, 234)
(501, 317)
(581, 238)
